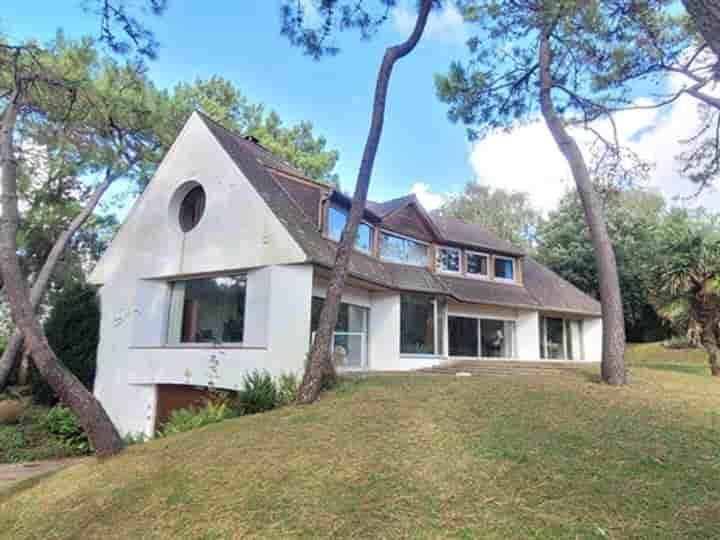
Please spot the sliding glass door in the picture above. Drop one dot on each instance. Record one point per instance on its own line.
(561, 339)
(350, 337)
(463, 336)
(487, 338)
(498, 338)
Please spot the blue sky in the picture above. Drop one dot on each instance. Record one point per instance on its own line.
(420, 148)
(241, 41)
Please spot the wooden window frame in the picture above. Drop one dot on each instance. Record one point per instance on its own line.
(459, 271)
(514, 267)
(404, 237)
(486, 275)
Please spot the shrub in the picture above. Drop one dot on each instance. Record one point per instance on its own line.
(259, 393)
(12, 444)
(73, 330)
(61, 422)
(131, 439)
(182, 420)
(288, 388)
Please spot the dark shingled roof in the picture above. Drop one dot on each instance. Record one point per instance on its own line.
(456, 230)
(297, 211)
(384, 208)
(552, 291)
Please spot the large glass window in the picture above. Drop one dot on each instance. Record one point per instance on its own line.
(448, 259)
(561, 339)
(403, 250)
(350, 337)
(463, 336)
(498, 338)
(336, 224)
(417, 324)
(504, 268)
(210, 310)
(477, 264)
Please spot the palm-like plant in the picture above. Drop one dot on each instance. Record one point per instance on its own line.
(688, 280)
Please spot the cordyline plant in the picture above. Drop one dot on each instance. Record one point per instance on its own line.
(687, 292)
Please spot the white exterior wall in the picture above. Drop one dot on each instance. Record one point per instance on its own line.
(592, 339)
(237, 232)
(527, 327)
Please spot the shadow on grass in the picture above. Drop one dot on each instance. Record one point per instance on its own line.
(16, 487)
(690, 369)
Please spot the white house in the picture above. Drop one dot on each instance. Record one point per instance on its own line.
(222, 264)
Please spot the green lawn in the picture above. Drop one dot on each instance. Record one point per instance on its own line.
(417, 457)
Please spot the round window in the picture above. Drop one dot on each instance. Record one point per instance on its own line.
(192, 208)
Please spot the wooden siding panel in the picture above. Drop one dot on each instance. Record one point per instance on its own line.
(409, 222)
(171, 397)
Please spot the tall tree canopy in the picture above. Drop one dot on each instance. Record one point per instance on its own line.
(225, 103)
(534, 59)
(509, 214)
(635, 219)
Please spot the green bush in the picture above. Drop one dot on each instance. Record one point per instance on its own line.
(61, 422)
(182, 420)
(258, 394)
(73, 330)
(12, 444)
(288, 387)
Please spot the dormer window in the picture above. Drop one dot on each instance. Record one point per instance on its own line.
(504, 268)
(336, 224)
(448, 259)
(477, 264)
(403, 250)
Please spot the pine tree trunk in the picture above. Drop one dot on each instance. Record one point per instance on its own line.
(613, 346)
(23, 372)
(320, 364)
(706, 16)
(91, 415)
(713, 361)
(15, 344)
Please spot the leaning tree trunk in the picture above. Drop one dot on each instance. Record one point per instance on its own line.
(320, 366)
(613, 350)
(91, 415)
(706, 16)
(14, 346)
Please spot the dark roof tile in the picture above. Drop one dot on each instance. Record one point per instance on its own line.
(458, 231)
(542, 288)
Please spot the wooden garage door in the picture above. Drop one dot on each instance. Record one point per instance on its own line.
(177, 396)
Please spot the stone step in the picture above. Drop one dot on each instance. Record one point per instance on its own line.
(482, 367)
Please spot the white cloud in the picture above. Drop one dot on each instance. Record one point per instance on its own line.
(311, 14)
(427, 198)
(445, 25)
(527, 159)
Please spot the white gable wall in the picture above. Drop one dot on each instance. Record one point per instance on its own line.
(237, 232)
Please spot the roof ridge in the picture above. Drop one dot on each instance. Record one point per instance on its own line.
(244, 139)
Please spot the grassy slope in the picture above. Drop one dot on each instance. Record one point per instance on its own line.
(423, 457)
